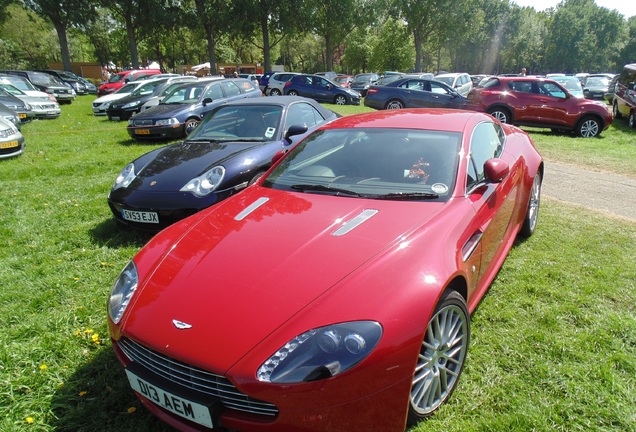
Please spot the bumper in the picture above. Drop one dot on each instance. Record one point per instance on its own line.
(157, 132)
(121, 114)
(11, 147)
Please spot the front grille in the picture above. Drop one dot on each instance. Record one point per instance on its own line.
(196, 379)
(143, 122)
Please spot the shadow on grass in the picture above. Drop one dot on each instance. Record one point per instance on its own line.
(111, 234)
(97, 397)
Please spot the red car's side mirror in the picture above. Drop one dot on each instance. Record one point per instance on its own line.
(496, 170)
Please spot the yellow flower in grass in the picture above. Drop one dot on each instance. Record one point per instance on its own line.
(131, 410)
(43, 367)
(30, 420)
(82, 393)
(95, 338)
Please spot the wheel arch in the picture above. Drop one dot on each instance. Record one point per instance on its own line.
(502, 106)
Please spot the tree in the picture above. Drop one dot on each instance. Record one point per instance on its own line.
(216, 19)
(392, 50)
(63, 14)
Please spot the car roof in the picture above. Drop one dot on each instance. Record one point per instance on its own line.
(284, 101)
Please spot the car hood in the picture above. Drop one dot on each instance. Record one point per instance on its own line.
(110, 97)
(164, 111)
(174, 165)
(237, 276)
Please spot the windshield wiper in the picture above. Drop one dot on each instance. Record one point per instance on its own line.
(399, 196)
(323, 188)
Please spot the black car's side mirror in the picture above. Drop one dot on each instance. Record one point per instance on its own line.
(295, 130)
(207, 101)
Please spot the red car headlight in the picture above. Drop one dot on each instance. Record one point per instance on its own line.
(321, 353)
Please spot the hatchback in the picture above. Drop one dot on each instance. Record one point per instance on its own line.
(625, 95)
(321, 90)
(276, 83)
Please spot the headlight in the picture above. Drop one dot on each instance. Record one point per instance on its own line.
(164, 122)
(321, 353)
(131, 104)
(27, 107)
(122, 291)
(125, 177)
(206, 182)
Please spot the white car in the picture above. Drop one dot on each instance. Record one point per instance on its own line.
(11, 139)
(101, 104)
(161, 91)
(276, 83)
(26, 86)
(460, 82)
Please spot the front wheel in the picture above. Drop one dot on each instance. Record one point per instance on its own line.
(632, 120)
(190, 124)
(394, 104)
(501, 114)
(588, 127)
(340, 100)
(293, 93)
(532, 212)
(274, 92)
(441, 358)
(615, 111)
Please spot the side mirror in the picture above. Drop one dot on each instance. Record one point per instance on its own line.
(207, 101)
(295, 130)
(631, 86)
(496, 170)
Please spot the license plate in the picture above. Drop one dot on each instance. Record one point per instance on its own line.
(139, 216)
(22, 115)
(116, 118)
(142, 131)
(192, 411)
(9, 144)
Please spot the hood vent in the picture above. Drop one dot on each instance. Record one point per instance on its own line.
(356, 221)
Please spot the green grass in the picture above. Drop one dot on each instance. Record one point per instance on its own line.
(553, 343)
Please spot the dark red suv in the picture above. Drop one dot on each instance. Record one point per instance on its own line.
(539, 102)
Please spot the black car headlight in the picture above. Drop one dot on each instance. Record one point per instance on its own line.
(125, 177)
(205, 183)
(133, 104)
(122, 291)
(321, 353)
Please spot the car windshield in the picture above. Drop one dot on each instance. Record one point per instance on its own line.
(12, 89)
(395, 164)
(572, 84)
(184, 94)
(128, 88)
(597, 82)
(116, 78)
(389, 79)
(20, 83)
(362, 79)
(448, 80)
(240, 123)
(43, 78)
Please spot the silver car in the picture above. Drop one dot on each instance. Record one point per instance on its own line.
(276, 84)
(11, 140)
(41, 106)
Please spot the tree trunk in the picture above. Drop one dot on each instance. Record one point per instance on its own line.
(61, 35)
(417, 39)
(267, 63)
(328, 53)
(132, 42)
(209, 32)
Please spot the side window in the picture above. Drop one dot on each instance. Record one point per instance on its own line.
(437, 88)
(486, 143)
(230, 89)
(303, 114)
(551, 89)
(213, 92)
(521, 86)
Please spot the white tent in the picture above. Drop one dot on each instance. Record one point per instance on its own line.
(201, 66)
(154, 65)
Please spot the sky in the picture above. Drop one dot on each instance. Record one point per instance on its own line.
(625, 7)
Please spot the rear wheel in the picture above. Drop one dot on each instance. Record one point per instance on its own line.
(588, 127)
(501, 114)
(394, 104)
(292, 93)
(615, 111)
(532, 213)
(441, 358)
(274, 92)
(340, 100)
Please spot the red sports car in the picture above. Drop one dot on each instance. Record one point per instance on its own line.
(340, 282)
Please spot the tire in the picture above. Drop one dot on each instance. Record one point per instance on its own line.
(274, 92)
(340, 100)
(588, 127)
(501, 114)
(190, 124)
(441, 357)
(394, 104)
(257, 176)
(615, 111)
(632, 120)
(292, 93)
(532, 212)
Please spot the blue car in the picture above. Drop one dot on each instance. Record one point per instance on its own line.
(184, 108)
(230, 149)
(414, 93)
(321, 90)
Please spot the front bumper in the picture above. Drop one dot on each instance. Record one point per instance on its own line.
(157, 132)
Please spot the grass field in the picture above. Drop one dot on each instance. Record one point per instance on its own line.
(553, 342)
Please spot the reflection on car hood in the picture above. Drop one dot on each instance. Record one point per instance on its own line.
(236, 281)
(174, 165)
(164, 111)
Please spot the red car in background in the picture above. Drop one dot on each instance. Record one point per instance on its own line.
(343, 80)
(539, 102)
(118, 80)
(334, 294)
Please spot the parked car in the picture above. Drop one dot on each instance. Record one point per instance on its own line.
(26, 86)
(344, 80)
(47, 84)
(10, 115)
(331, 75)
(571, 84)
(183, 109)
(362, 82)
(160, 93)
(23, 109)
(231, 148)
(90, 87)
(251, 77)
(100, 104)
(321, 90)
(461, 82)
(118, 80)
(129, 105)
(611, 88)
(41, 106)
(276, 83)
(358, 259)
(68, 78)
(11, 139)
(540, 102)
(596, 86)
(414, 93)
(625, 95)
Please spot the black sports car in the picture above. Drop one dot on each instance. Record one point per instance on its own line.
(230, 149)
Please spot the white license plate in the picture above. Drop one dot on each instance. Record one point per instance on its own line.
(192, 411)
(139, 216)
(116, 118)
